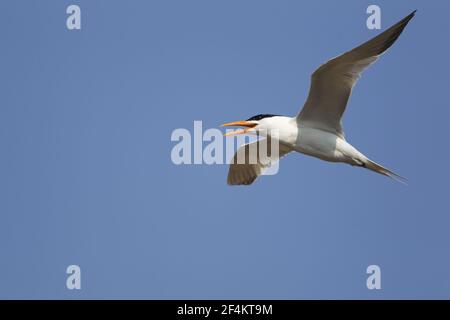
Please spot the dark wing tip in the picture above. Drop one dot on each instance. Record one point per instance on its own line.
(408, 17)
(393, 33)
(241, 174)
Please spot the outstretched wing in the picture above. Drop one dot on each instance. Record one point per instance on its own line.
(332, 82)
(248, 163)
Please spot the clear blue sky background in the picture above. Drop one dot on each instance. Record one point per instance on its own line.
(86, 176)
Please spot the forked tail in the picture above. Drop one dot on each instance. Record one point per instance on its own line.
(369, 164)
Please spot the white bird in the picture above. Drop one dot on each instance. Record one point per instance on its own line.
(317, 130)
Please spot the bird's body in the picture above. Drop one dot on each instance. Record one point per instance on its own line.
(326, 146)
(314, 142)
(317, 130)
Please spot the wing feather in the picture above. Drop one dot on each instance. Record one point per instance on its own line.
(247, 163)
(332, 82)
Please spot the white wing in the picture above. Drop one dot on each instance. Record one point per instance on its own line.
(332, 82)
(247, 164)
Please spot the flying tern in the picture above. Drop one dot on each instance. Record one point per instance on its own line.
(317, 129)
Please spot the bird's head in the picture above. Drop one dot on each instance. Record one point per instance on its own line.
(252, 125)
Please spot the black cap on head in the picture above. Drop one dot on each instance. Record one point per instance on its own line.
(261, 116)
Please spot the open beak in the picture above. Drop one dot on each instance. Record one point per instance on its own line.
(248, 124)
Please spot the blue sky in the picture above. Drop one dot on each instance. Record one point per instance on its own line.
(86, 175)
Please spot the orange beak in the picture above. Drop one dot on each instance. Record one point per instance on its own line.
(249, 124)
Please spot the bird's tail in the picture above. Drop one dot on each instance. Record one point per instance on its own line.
(371, 165)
